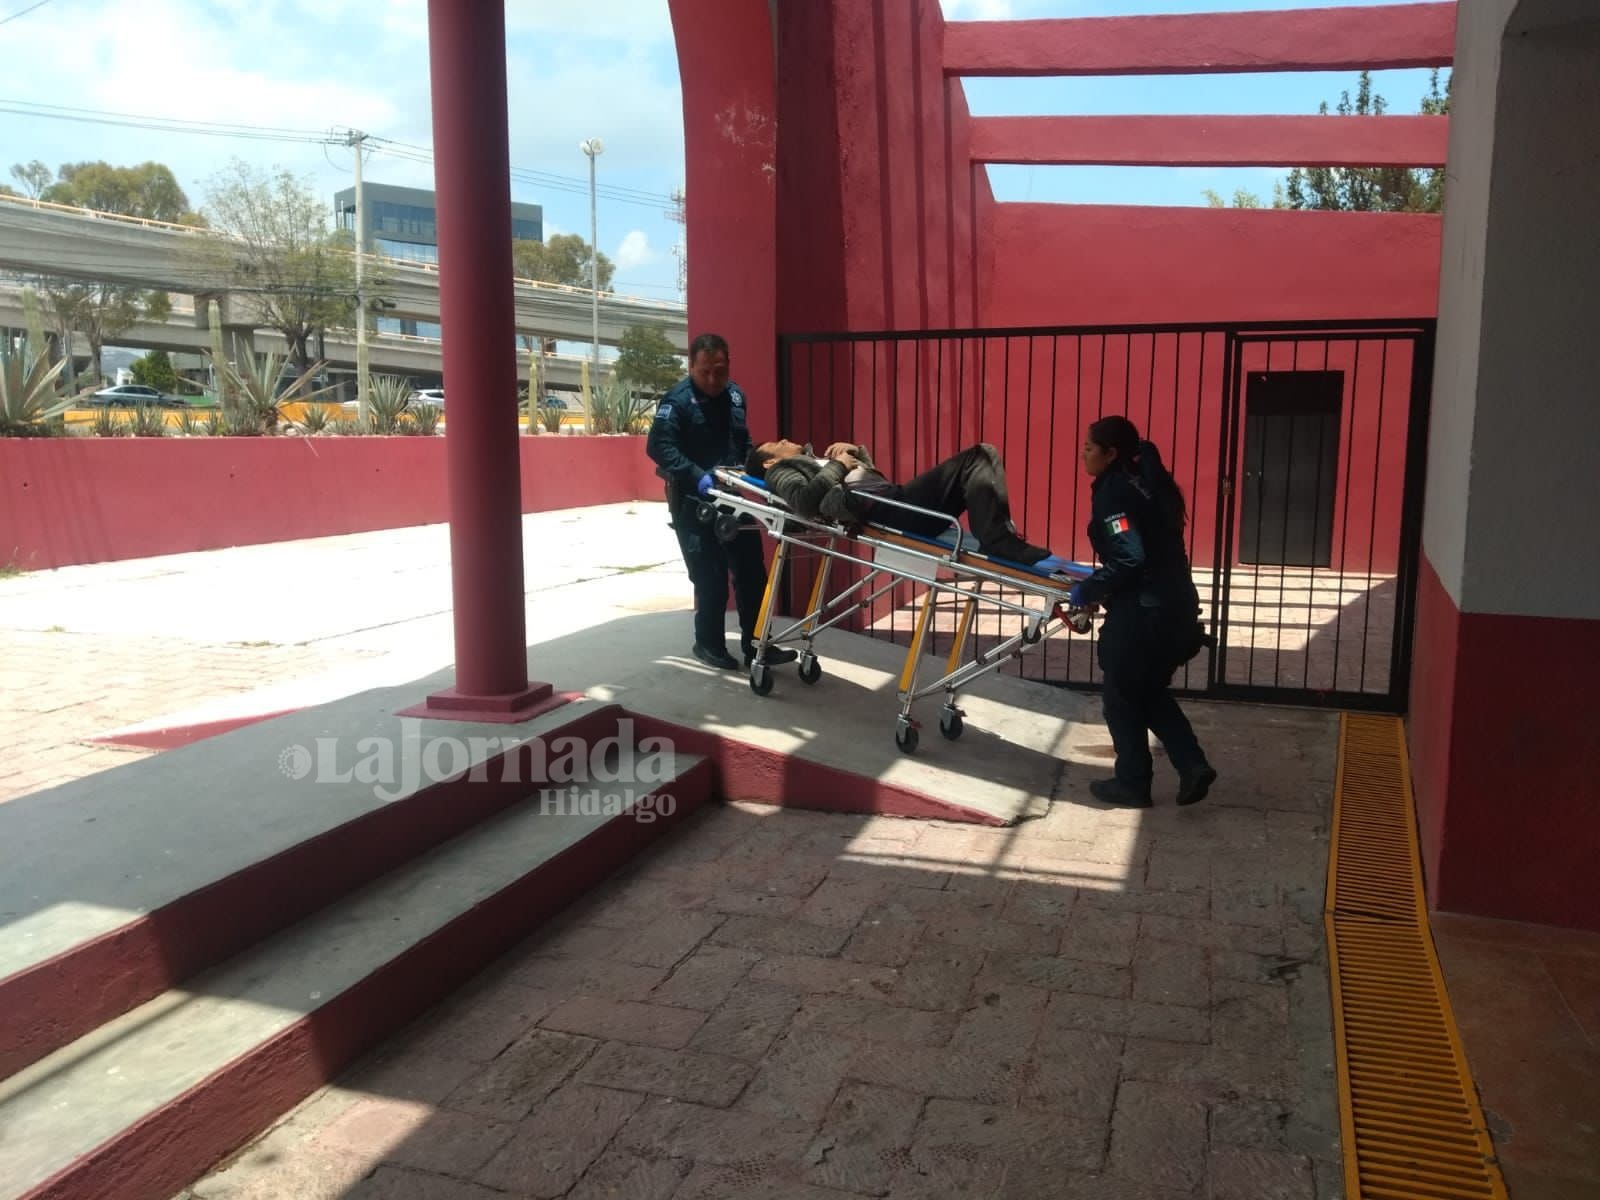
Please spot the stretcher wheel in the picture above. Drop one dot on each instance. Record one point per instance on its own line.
(952, 726)
(760, 679)
(905, 736)
(1032, 634)
(810, 670)
(727, 526)
(705, 512)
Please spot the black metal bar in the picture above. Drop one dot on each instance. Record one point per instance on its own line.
(1344, 521)
(1411, 502)
(1372, 524)
(1283, 542)
(1242, 328)
(1050, 492)
(1150, 399)
(1194, 491)
(1227, 463)
(1316, 518)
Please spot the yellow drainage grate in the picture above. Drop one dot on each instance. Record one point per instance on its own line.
(1409, 1113)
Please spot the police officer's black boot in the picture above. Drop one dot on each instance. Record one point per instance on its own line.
(1194, 783)
(1114, 791)
(716, 656)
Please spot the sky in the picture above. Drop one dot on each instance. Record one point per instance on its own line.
(576, 69)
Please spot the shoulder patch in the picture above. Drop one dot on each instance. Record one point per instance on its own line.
(1118, 524)
(736, 396)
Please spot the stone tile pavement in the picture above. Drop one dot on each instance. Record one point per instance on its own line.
(65, 688)
(801, 1006)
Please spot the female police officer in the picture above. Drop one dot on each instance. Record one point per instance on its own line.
(1152, 622)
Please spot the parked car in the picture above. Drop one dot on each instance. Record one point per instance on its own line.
(433, 396)
(131, 395)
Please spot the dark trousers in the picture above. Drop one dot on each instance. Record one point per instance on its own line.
(710, 564)
(1138, 656)
(972, 482)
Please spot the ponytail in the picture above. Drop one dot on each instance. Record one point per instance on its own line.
(1168, 495)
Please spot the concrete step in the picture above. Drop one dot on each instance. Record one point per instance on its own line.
(143, 1105)
(124, 884)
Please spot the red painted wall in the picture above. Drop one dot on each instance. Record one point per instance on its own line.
(915, 402)
(82, 500)
(730, 148)
(1094, 264)
(1499, 703)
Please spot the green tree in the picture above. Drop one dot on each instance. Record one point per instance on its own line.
(646, 360)
(101, 311)
(34, 178)
(564, 258)
(148, 190)
(1371, 189)
(1358, 189)
(155, 370)
(299, 275)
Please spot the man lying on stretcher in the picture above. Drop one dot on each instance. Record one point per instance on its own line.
(843, 484)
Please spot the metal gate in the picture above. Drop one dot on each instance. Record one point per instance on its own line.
(1299, 448)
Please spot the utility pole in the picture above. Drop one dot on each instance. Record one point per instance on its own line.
(593, 147)
(679, 213)
(355, 139)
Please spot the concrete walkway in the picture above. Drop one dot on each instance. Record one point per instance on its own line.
(774, 1003)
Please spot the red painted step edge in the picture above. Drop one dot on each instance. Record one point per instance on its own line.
(162, 1154)
(57, 1001)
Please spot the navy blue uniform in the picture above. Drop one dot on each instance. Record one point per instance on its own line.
(692, 433)
(1151, 628)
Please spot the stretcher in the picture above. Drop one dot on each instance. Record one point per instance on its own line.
(949, 565)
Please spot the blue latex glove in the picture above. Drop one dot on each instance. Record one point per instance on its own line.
(1075, 596)
(705, 484)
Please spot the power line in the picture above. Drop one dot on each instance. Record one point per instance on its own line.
(23, 12)
(269, 133)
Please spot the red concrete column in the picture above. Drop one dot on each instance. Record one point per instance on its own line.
(467, 52)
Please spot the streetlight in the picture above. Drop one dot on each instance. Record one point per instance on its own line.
(593, 148)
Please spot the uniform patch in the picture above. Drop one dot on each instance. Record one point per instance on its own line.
(736, 396)
(663, 408)
(1118, 524)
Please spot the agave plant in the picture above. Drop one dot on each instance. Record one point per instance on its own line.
(188, 423)
(107, 425)
(424, 419)
(617, 409)
(387, 397)
(345, 427)
(255, 386)
(148, 421)
(29, 403)
(314, 418)
(213, 426)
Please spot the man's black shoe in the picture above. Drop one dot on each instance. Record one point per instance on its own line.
(715, 656)
(1194, 783)
(776, 657)
(1110, 791)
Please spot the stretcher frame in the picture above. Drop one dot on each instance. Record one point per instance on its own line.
(948, 566)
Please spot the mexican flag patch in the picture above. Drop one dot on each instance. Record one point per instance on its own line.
(1118, 524)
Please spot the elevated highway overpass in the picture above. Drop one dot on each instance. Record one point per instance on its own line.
(418, 358)
(48, 239)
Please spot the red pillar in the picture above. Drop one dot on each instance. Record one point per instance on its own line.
(472, 190)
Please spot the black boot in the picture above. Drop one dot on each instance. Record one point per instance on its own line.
(1114, 791)
(1194, 783)
(715, 656)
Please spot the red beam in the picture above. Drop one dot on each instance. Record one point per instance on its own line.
(1167, 141)
(1312, 39)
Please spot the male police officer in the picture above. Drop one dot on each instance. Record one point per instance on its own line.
(701, 424)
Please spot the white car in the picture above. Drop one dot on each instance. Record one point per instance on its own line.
(433, 396)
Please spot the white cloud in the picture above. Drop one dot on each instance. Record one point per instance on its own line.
(635, 251)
